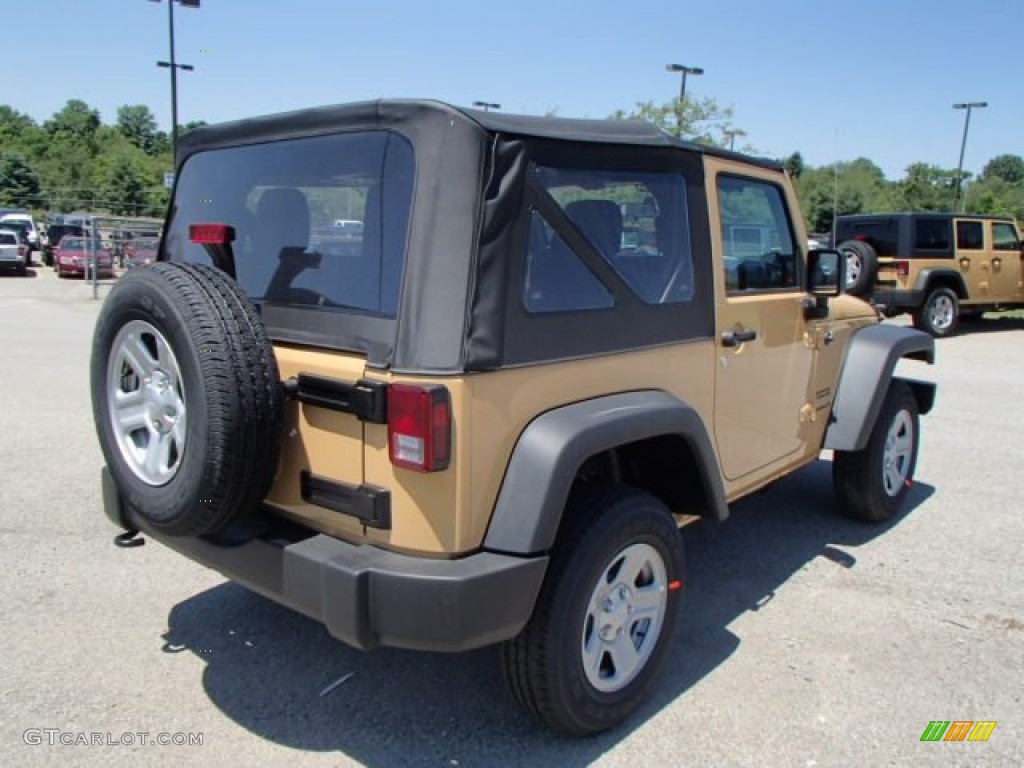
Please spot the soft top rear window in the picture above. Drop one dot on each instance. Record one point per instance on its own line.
(284, 198)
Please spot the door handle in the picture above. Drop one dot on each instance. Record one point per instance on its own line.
(735, 338)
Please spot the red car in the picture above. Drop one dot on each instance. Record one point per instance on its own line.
(74, 257)
(141, 251)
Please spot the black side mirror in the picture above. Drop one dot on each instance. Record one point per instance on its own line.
(826, 272)
(826, 275)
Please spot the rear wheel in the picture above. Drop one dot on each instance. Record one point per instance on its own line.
(939, 314)
(871, 484)
(605, 616)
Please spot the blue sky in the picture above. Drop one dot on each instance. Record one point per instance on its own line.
(833, 79)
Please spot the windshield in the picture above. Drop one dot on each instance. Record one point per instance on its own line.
(76, 244)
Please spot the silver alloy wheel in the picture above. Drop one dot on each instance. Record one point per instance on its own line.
(624, 617)
(898, 453)
(853, 267)
(940, 313)
(146, 402)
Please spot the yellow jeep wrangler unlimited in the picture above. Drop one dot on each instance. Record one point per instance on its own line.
(941, 267)
(481, 418)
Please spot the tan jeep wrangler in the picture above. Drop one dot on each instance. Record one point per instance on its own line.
(480, 418)
(941, 267)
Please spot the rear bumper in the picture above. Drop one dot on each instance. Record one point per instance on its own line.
(897, 300)
(369, 597)
(84, 269)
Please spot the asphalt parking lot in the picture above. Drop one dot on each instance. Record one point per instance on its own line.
(807, 640)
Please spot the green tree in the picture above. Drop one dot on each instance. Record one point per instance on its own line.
(858, 186)
(19, 185)
(927, 188)
(1009, 168)
(124, 187)
(137, 124)
(75, 120)
(704, 121)
(794, 165)
(13, 125)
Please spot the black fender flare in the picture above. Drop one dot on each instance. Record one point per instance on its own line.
(554, 446)
(868, 367)
(927, 277)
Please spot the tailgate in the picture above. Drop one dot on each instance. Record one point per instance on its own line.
(326, 443)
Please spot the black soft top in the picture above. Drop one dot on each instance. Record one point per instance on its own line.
(383, 113)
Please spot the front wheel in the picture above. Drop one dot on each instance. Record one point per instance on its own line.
(939, 314)
(605, 616)
(871, 484)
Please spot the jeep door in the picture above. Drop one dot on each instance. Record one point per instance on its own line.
(974, 258)
(765, 363)
(1005, 259)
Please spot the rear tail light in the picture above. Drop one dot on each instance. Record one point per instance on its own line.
(419, 427)
(903, 268)
(21, 250)
(211, 234)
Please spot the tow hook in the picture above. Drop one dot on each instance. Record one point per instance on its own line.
(128, 539)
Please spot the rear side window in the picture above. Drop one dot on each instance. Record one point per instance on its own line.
(1004, 237)
(284, 199)
(969, 236)
(8, 239)
(880, 234)
(557, 280)
(756, 236)
(933, 235)
(635, 220)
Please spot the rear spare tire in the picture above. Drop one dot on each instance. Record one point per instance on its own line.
(186, 397)
(861, 265)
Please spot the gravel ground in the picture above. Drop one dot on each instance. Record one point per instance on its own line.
(807, 640)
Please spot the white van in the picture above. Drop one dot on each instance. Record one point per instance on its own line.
(33, 231)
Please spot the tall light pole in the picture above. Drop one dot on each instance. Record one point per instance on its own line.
(486, 106)
(969, 105)
(174, 66)
(685, 71)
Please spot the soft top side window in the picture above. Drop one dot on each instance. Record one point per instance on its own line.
(933, 235)
(636, 221)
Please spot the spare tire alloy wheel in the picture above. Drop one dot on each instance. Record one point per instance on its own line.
(146, 402)
(186, 398)
(861, 264)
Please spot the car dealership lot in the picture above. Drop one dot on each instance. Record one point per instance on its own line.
(806, 639)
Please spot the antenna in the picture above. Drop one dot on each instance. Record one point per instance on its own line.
(835, 190)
